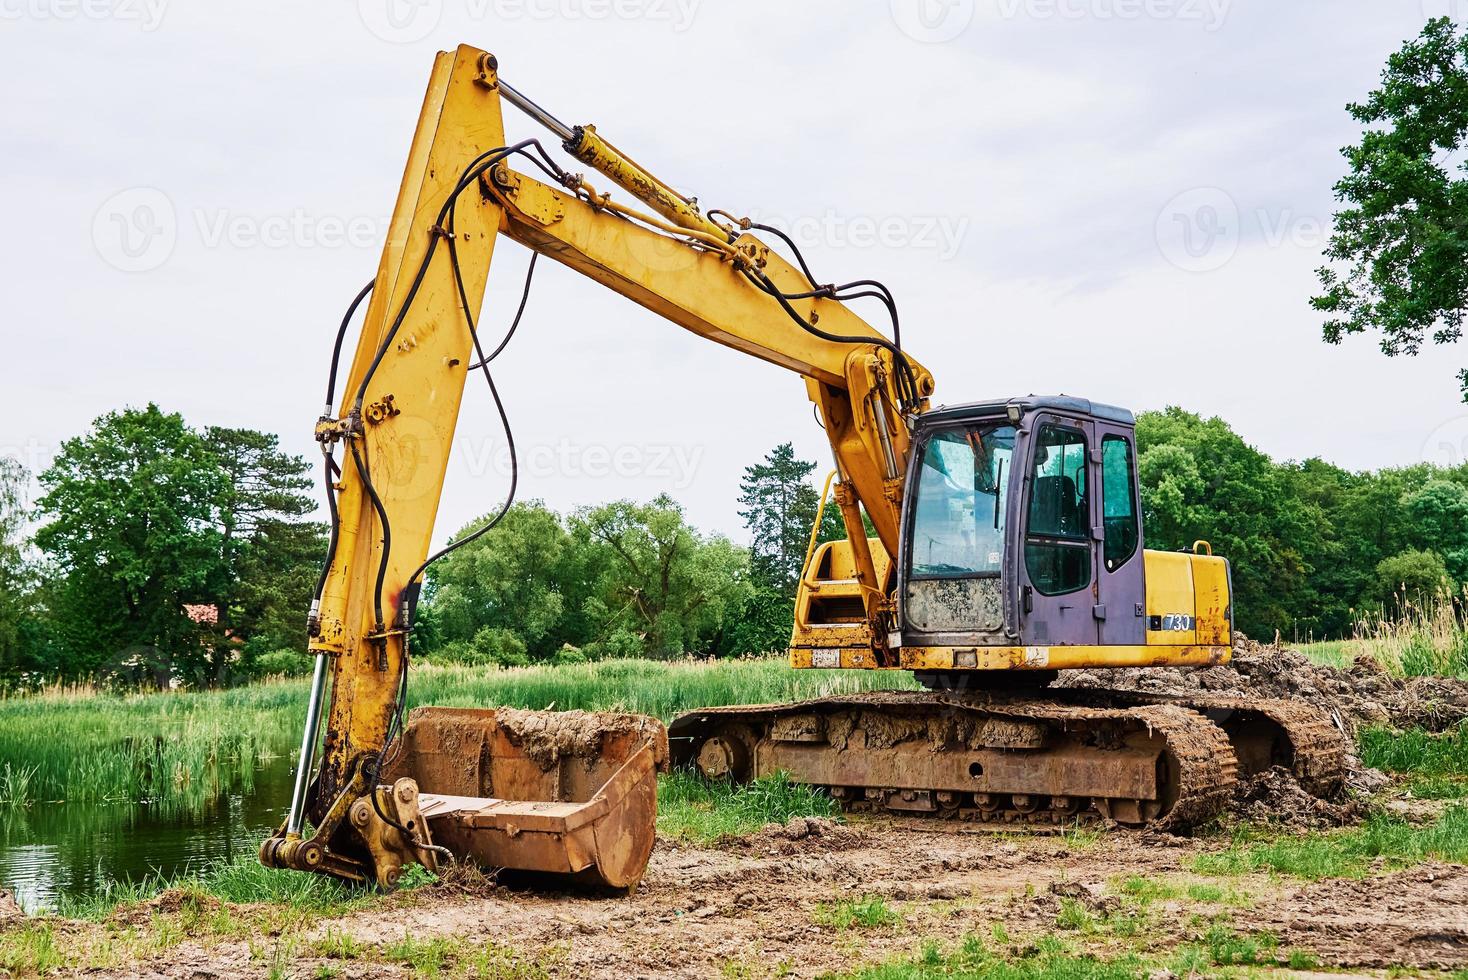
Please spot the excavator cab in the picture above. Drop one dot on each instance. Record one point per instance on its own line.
(1020, 554)
(1021, 549)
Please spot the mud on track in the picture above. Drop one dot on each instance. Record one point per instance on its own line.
(755, 904)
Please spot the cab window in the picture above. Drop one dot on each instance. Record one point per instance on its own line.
(1058, 528)
(1118, 500)
(958, 523)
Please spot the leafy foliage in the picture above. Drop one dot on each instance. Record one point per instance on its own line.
(522, 576)
(20, 640)
(1314, 549)
(132, 508)
(1402, 231)
(655, 578)
(270, 556)
(1200, 480)
(178, 554)
(621, 579)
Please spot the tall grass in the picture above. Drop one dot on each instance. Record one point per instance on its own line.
(659, 688)
(175, 751)
(693, 808)
(1425, 638)
(179, 751)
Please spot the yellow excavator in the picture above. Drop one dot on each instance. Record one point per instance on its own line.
(1008, 547)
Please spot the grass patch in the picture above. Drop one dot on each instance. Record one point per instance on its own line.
(240, 882)
(1346, 853)
(1073, 915)
(180, 751)
(691, 807)
(1206, 892)
(1228, 948)
(1050, 959)
(1416, 751)
(31, 950)
(1438, 788)
(1147, 890)
(868, 913)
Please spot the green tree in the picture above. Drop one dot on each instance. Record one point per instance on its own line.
(17, 575)
(761, 624)
(524, 577)
(270, 555)
(657, 586)
(275, 576)
(1438, 517)
(778, 506)
(1402, 232)
(1412, 577)
(131, 513)
(1200, 480)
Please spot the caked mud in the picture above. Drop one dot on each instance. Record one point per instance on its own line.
(759, 906)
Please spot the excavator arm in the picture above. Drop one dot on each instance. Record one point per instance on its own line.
(387, 432)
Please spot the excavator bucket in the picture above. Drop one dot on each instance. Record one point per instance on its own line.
(569, 793)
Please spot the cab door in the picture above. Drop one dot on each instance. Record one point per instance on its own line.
(1116, 510)
(1058, 536)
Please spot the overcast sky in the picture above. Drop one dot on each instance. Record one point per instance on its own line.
(1122, 199)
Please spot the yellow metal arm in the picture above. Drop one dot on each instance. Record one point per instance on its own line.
(402, 397)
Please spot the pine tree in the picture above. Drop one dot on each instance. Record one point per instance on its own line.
(778, 507)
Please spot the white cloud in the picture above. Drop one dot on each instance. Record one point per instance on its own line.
(1052, 142)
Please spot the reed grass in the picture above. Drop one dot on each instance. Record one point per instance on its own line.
(179, 751)
(1420, 639)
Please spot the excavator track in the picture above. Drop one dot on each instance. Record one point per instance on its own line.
(989, 757)
(1264, 732)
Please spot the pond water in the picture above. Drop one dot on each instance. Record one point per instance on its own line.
(48, 851)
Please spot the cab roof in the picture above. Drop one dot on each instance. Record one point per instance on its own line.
(1065, 404)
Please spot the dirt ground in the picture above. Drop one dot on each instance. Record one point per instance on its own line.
(754, 908)
(763, 905)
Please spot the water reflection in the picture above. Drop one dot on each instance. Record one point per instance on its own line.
(51, 850)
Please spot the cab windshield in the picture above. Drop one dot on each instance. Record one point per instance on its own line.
(958, 521)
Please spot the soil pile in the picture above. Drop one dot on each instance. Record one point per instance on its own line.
(1363, 694)
(1276, 796)
(1360, 695)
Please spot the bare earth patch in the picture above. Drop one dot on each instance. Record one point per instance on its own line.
(754, 906)
(1417, 917)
